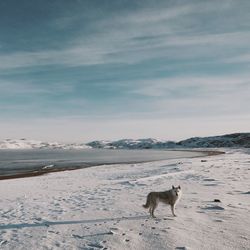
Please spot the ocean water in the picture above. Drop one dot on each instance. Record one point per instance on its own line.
(14, 162)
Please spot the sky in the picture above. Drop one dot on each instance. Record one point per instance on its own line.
(82, 70)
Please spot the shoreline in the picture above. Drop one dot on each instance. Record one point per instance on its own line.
(54, 170)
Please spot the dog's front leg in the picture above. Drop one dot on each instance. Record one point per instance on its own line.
(172, 209)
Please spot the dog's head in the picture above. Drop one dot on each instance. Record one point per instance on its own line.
(176, 190)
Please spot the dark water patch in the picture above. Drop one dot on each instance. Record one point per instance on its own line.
(27, 163)
(248, 192)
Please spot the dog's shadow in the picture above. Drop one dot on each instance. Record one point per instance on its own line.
(69, 222)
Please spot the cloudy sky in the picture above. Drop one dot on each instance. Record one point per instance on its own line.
(86, 69)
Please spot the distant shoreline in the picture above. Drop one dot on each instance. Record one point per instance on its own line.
(53, 170)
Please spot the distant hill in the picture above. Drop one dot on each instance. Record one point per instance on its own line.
(132, 144)
(237, 140)
(32, 144)
(229, 140)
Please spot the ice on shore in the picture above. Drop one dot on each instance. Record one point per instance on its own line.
(101, 207)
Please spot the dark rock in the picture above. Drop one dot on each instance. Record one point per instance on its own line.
(217, 200)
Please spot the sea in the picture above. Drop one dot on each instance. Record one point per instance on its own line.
(15, 162)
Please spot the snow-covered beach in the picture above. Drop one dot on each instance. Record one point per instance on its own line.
(101, 207)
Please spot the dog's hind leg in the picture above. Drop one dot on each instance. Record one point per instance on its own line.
(150, 211)
(172, 209)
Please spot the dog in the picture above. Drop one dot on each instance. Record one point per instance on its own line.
(169, 197)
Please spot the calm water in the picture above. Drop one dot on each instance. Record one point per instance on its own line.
(25, 161)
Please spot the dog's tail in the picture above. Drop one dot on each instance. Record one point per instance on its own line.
(147, 203)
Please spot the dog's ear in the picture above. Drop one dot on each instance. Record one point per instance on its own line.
(179, 187)
(173, 187)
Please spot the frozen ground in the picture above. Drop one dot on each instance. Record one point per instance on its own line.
(101, 207)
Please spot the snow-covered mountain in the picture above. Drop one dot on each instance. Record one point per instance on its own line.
(230, 140)
(32, 144)
(132, 144)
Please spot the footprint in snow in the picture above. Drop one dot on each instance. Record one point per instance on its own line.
(95, 245)
(214, 208)
(3, 242)
(218, 220)
(210, 184)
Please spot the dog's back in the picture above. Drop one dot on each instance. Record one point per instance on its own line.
(166, 197)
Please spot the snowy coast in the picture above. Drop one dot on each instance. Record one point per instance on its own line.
(101, 207)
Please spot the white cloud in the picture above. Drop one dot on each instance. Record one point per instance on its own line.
(141, 35)
(241, 58)
(121, 50)
(206, 85)
(30, 87)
